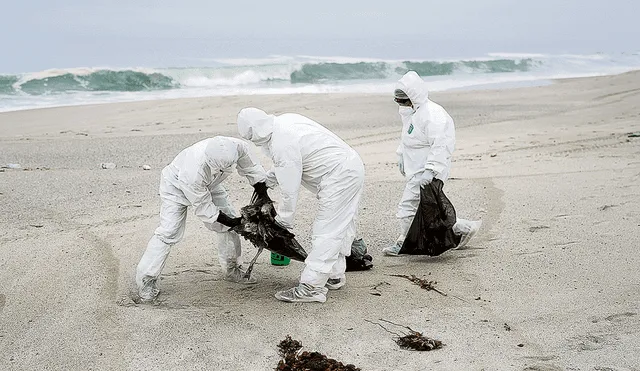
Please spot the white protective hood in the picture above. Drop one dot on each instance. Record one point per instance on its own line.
(255, 125)
(415, 88)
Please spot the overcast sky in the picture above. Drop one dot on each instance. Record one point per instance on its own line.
(41, 34)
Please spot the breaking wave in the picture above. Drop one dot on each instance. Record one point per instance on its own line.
(60, 81)
(320, 72)
(290, 75)
(132, 80)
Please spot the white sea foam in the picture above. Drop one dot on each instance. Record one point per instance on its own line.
(294, 75)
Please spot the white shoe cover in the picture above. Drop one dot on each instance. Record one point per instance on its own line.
(303, 293)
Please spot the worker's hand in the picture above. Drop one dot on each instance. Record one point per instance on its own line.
(425, 178)
(228, 221)
(401, 165)
(271, 181)
(261, 189)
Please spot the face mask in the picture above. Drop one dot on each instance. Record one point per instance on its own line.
(405, 111)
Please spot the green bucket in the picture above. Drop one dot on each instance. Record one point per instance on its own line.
(277, 259)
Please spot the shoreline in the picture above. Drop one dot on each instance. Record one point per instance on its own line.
(481, 86)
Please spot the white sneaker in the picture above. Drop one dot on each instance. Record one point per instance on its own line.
(392, 250)
(335, 283)
(303, 293)
(236, 275)
(149, 291)
(466, 237)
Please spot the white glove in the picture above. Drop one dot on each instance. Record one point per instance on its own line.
(271, 181)
(425, 178)
(401, 165)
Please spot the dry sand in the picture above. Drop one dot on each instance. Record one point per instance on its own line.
(550, 283)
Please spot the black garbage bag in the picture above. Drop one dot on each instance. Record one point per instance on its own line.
(260, 228)
(431, 232)
(359, 260)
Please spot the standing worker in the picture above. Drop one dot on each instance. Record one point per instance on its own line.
(425, 150)
(306, 153)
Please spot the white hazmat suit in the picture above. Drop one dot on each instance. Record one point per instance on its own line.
(194, 179)
(425, 151)
(306, 153)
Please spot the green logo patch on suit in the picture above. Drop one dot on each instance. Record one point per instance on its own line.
(410, 129)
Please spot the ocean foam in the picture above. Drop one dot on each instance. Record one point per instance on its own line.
(293, 75)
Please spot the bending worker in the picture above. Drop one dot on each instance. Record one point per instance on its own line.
(306, 153)
(194, 178)
(425, 150)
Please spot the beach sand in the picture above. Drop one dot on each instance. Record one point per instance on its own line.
(551, 282)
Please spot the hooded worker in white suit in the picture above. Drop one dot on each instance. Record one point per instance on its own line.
(426, 147)
(306, 153)
(194, 179)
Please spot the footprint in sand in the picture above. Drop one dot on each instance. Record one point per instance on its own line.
(619, 317)
(589, 342)
(543, 367)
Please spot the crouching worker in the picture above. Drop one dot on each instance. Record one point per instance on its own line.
(306, 153)
(194, 179)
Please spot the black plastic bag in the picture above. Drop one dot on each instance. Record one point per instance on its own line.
(359, 260)
(431, 232)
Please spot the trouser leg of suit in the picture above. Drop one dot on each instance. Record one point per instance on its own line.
(229, 247)
(170, 231)
(338, 269)
(335, 225)
(408, 207)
